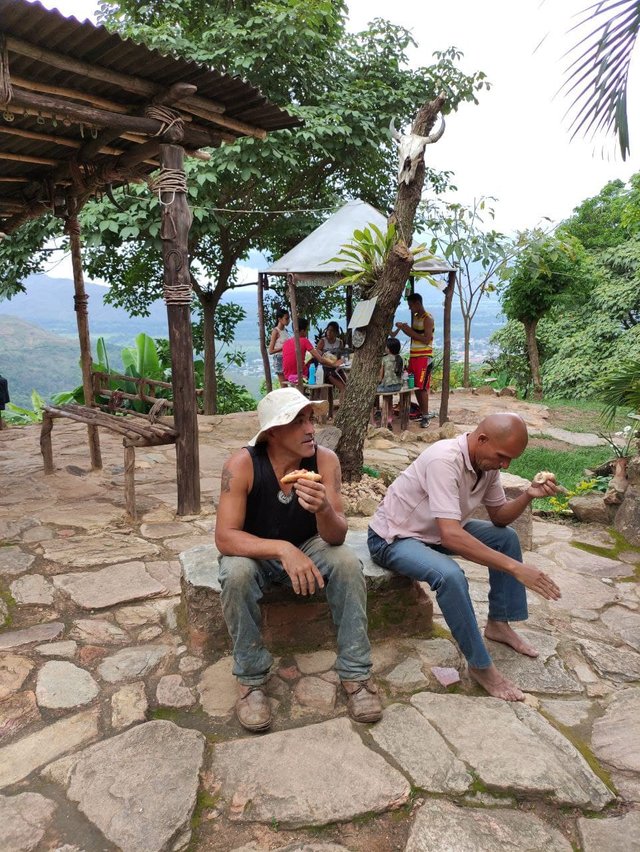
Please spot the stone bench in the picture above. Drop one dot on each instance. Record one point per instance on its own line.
(396, 606)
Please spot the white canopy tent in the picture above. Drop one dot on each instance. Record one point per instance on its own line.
(310, 264)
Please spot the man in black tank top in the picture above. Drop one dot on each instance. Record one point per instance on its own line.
(270, 532)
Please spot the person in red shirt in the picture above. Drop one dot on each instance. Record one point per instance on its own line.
(289, 364)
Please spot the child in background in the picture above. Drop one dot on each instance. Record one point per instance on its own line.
(392, 367)
(278, 336)
(390, 375)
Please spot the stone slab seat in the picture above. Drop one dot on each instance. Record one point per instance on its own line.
(396, 606)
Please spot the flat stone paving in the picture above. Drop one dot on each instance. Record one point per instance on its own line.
(115, 735)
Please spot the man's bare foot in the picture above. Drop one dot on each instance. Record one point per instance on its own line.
(496, 684)
(501, 631)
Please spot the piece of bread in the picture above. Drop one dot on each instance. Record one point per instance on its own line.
(544, 476)
(548, 476)
(295, 475)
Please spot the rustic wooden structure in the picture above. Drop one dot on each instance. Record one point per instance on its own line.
(83, 111)
(309, 264)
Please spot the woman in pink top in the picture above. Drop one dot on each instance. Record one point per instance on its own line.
(289, 363)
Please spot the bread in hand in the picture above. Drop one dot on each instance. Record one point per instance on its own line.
(295, 475)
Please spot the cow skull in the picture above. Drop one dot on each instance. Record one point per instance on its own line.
(411, 150)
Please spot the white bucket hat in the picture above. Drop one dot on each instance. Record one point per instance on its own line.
(280, 407)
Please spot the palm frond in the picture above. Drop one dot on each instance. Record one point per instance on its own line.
(598, 76)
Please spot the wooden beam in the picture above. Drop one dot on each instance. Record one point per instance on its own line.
(14, 179)
(25, 158)
(195, 136)
(137, 85)
(45, 88)
(58, 140)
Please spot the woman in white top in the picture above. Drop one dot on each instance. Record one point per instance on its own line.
(331, 344)
(278, 336)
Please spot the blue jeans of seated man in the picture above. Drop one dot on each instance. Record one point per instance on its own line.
(243, 581)
(433, 564)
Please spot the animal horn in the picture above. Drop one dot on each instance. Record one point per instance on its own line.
(433, 137)
(394, 133)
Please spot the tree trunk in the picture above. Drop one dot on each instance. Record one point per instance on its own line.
(467, 336)
(209, 304)
(355, 410)
(534, 357)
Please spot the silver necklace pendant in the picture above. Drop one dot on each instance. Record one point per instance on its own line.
(286, 498)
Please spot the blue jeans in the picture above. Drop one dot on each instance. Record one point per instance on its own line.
(433, 564)
(243, 581)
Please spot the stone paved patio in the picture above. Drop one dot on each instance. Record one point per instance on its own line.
(114, 736)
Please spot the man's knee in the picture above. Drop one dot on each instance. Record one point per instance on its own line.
(237, 574)
(452, 579)
(343, 562)
(510, 543)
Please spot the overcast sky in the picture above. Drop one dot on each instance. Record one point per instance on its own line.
(515, 144)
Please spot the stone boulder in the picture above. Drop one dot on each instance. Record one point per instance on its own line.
(396, 606)
(627, 520)
(508, 390)
(591, 509)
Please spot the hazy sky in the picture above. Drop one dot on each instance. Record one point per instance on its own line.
(515, 145)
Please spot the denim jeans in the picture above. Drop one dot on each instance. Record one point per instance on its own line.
(433, 564)
(243, 581)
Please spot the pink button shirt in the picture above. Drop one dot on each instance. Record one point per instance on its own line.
(441, 483)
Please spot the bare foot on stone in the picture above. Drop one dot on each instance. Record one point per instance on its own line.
(496, 684)
(501, 631)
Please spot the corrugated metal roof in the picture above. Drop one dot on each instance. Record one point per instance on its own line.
(38, 37)
(312, 253)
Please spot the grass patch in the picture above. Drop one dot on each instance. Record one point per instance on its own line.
(568, 465)
(581, 415)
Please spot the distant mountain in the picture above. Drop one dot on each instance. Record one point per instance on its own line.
(32, 358)
(48, 302)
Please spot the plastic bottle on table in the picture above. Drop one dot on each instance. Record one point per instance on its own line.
(312, 374)
(405, 380)
(319, 374)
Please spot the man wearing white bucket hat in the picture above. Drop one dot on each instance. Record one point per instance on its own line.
(290, 532)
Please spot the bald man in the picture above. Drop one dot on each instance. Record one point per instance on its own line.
(425, 517)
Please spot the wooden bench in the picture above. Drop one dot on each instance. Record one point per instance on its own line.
(384, 401)
(109, 411)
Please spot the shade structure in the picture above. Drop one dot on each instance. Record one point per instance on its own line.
(84, 111)
(311, 264)
(312, 255)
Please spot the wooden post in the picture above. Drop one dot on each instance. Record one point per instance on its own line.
(129, 483)
(446, 347)
(176, 221)
(45, 442)
(291, 281)
(80, 300)
(261, 331)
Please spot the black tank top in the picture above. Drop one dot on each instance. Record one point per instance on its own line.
(266, 516)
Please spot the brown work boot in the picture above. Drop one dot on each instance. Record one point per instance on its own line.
(253, 708)
(364, 704)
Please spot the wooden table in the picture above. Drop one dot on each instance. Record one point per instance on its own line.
(385, 402)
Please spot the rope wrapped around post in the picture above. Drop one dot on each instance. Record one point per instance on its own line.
(172, 181)
(6, 92)
(168, 117)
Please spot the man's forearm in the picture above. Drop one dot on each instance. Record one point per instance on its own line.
(463, 544)
(332, 526)
(508, 512)
(240, 543)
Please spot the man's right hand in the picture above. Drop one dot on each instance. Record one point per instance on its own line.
(536, 580)
(303, 573)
